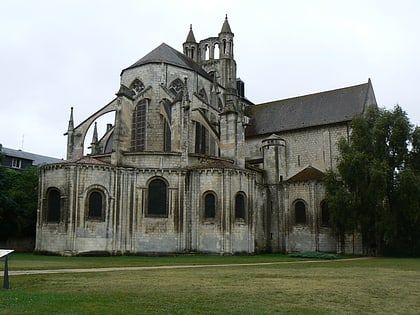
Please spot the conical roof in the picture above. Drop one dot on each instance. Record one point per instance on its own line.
(190, 37)
(166, 54)
(226, 26)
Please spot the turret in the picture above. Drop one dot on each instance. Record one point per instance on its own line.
(190, 46)
(274, 150)
(227, 65)
(226, 40)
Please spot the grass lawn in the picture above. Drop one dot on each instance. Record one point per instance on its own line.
(370, 286)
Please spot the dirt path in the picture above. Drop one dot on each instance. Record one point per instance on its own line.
(108, 269)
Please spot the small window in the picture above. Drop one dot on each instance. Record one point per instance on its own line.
(325, 214)
(96, 205)
(157, 198)
(209, 205)
(240, 206)
(53, 205)
(300, 212)
(16, 163)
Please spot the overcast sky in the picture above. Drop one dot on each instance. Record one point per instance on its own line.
(58, 54)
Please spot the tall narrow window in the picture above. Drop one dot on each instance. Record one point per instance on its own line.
(209, 205)
(95, 205)
(138, 136)
(300, 212)
(325, 214)
(201, 136)
(240, 206)
(53, 205)
(167, 137)
(157, 198)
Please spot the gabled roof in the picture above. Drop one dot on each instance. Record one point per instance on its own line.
(35, 158)
(307, 174)
(166, 54)
(87, 160)
(311, 110)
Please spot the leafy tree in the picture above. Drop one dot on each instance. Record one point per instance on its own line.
(18, 202)
(376, 188)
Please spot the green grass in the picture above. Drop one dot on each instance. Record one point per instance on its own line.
(372, 286)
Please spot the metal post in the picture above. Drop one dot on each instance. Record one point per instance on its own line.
(6, 274)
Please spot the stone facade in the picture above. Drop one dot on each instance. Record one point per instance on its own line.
(191, 165)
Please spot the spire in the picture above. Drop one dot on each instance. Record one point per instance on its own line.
(226, 26)
(190, 37)
(95, 135)
(71, 123)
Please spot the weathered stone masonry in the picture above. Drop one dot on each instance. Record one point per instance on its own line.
(189, 164)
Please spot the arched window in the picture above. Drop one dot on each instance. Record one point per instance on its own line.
(209, 205)
(325, 214)
(53, 205)
(216, 51)
(300, 212)
(136, 87)
(95, 205)
(138, 135)
(157, 198)
(206, 52)
(240, 206)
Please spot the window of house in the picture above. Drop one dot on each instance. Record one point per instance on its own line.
(53, 205)
(325, 214)
(157, 198)
(16, 163)
(138, 136)
(240, 206)
(209, 205)
(95, 205)
(300, 212)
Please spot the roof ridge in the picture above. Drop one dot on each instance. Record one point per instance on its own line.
(315, 93)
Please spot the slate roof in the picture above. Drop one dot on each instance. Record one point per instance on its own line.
(311, 110)
(35, 158)
(166, 54)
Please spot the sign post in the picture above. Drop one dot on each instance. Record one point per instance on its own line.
(5, 253)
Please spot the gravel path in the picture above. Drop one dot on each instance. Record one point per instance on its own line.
(108, 269)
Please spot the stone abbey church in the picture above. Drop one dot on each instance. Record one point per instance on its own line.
(191, 165)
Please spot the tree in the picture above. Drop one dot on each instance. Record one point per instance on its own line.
(18, 202)
(376, 188)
